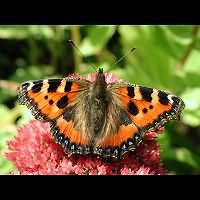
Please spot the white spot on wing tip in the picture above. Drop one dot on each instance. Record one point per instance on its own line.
(170, 98)
(30, 86)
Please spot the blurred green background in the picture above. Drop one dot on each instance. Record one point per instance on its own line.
(166, 57)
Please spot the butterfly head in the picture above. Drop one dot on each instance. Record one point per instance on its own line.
(100, 78)
(100, 84)
(101, 70)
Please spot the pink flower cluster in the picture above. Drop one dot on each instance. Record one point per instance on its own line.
(33, 151)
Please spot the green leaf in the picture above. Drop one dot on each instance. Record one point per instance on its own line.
(6, 94)
(157, 36)
(191, 79)
(24, 32)
(167, 42)
(6, 166)
(191, 118)
(151, 63)
(96, 39)
(14, 32)
(192, 64)
(186, 156)
(33, 72)
(5, 135)
(191, 113)
(191, 97)
(5, 115)
(197, 44)
(182, 32)
(178, 159)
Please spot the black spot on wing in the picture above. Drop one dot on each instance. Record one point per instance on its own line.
(51, 102)
(132, 108)
(131, 92)
(176, 100)
(144, 110)
(146, 93)
(37, 86)
(53, 84)
(68, 86)
(62, 103)
(25, 86)
(163, 98)
(150, 107)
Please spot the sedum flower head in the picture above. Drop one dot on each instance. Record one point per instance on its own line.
(33, 151)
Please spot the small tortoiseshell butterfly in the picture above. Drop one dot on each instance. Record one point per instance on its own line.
(98, 117)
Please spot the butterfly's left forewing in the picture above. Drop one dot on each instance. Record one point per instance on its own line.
(47, 99)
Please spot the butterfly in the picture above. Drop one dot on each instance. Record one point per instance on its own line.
(102, 117)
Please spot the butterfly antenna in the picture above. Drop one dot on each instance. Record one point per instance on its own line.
(120, 59)
(74, 45)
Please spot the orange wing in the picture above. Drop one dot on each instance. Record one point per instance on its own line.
(144, 109)
(116, 145)
(72, 140)
(149, 108)
(47, 99)
(51, 100)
